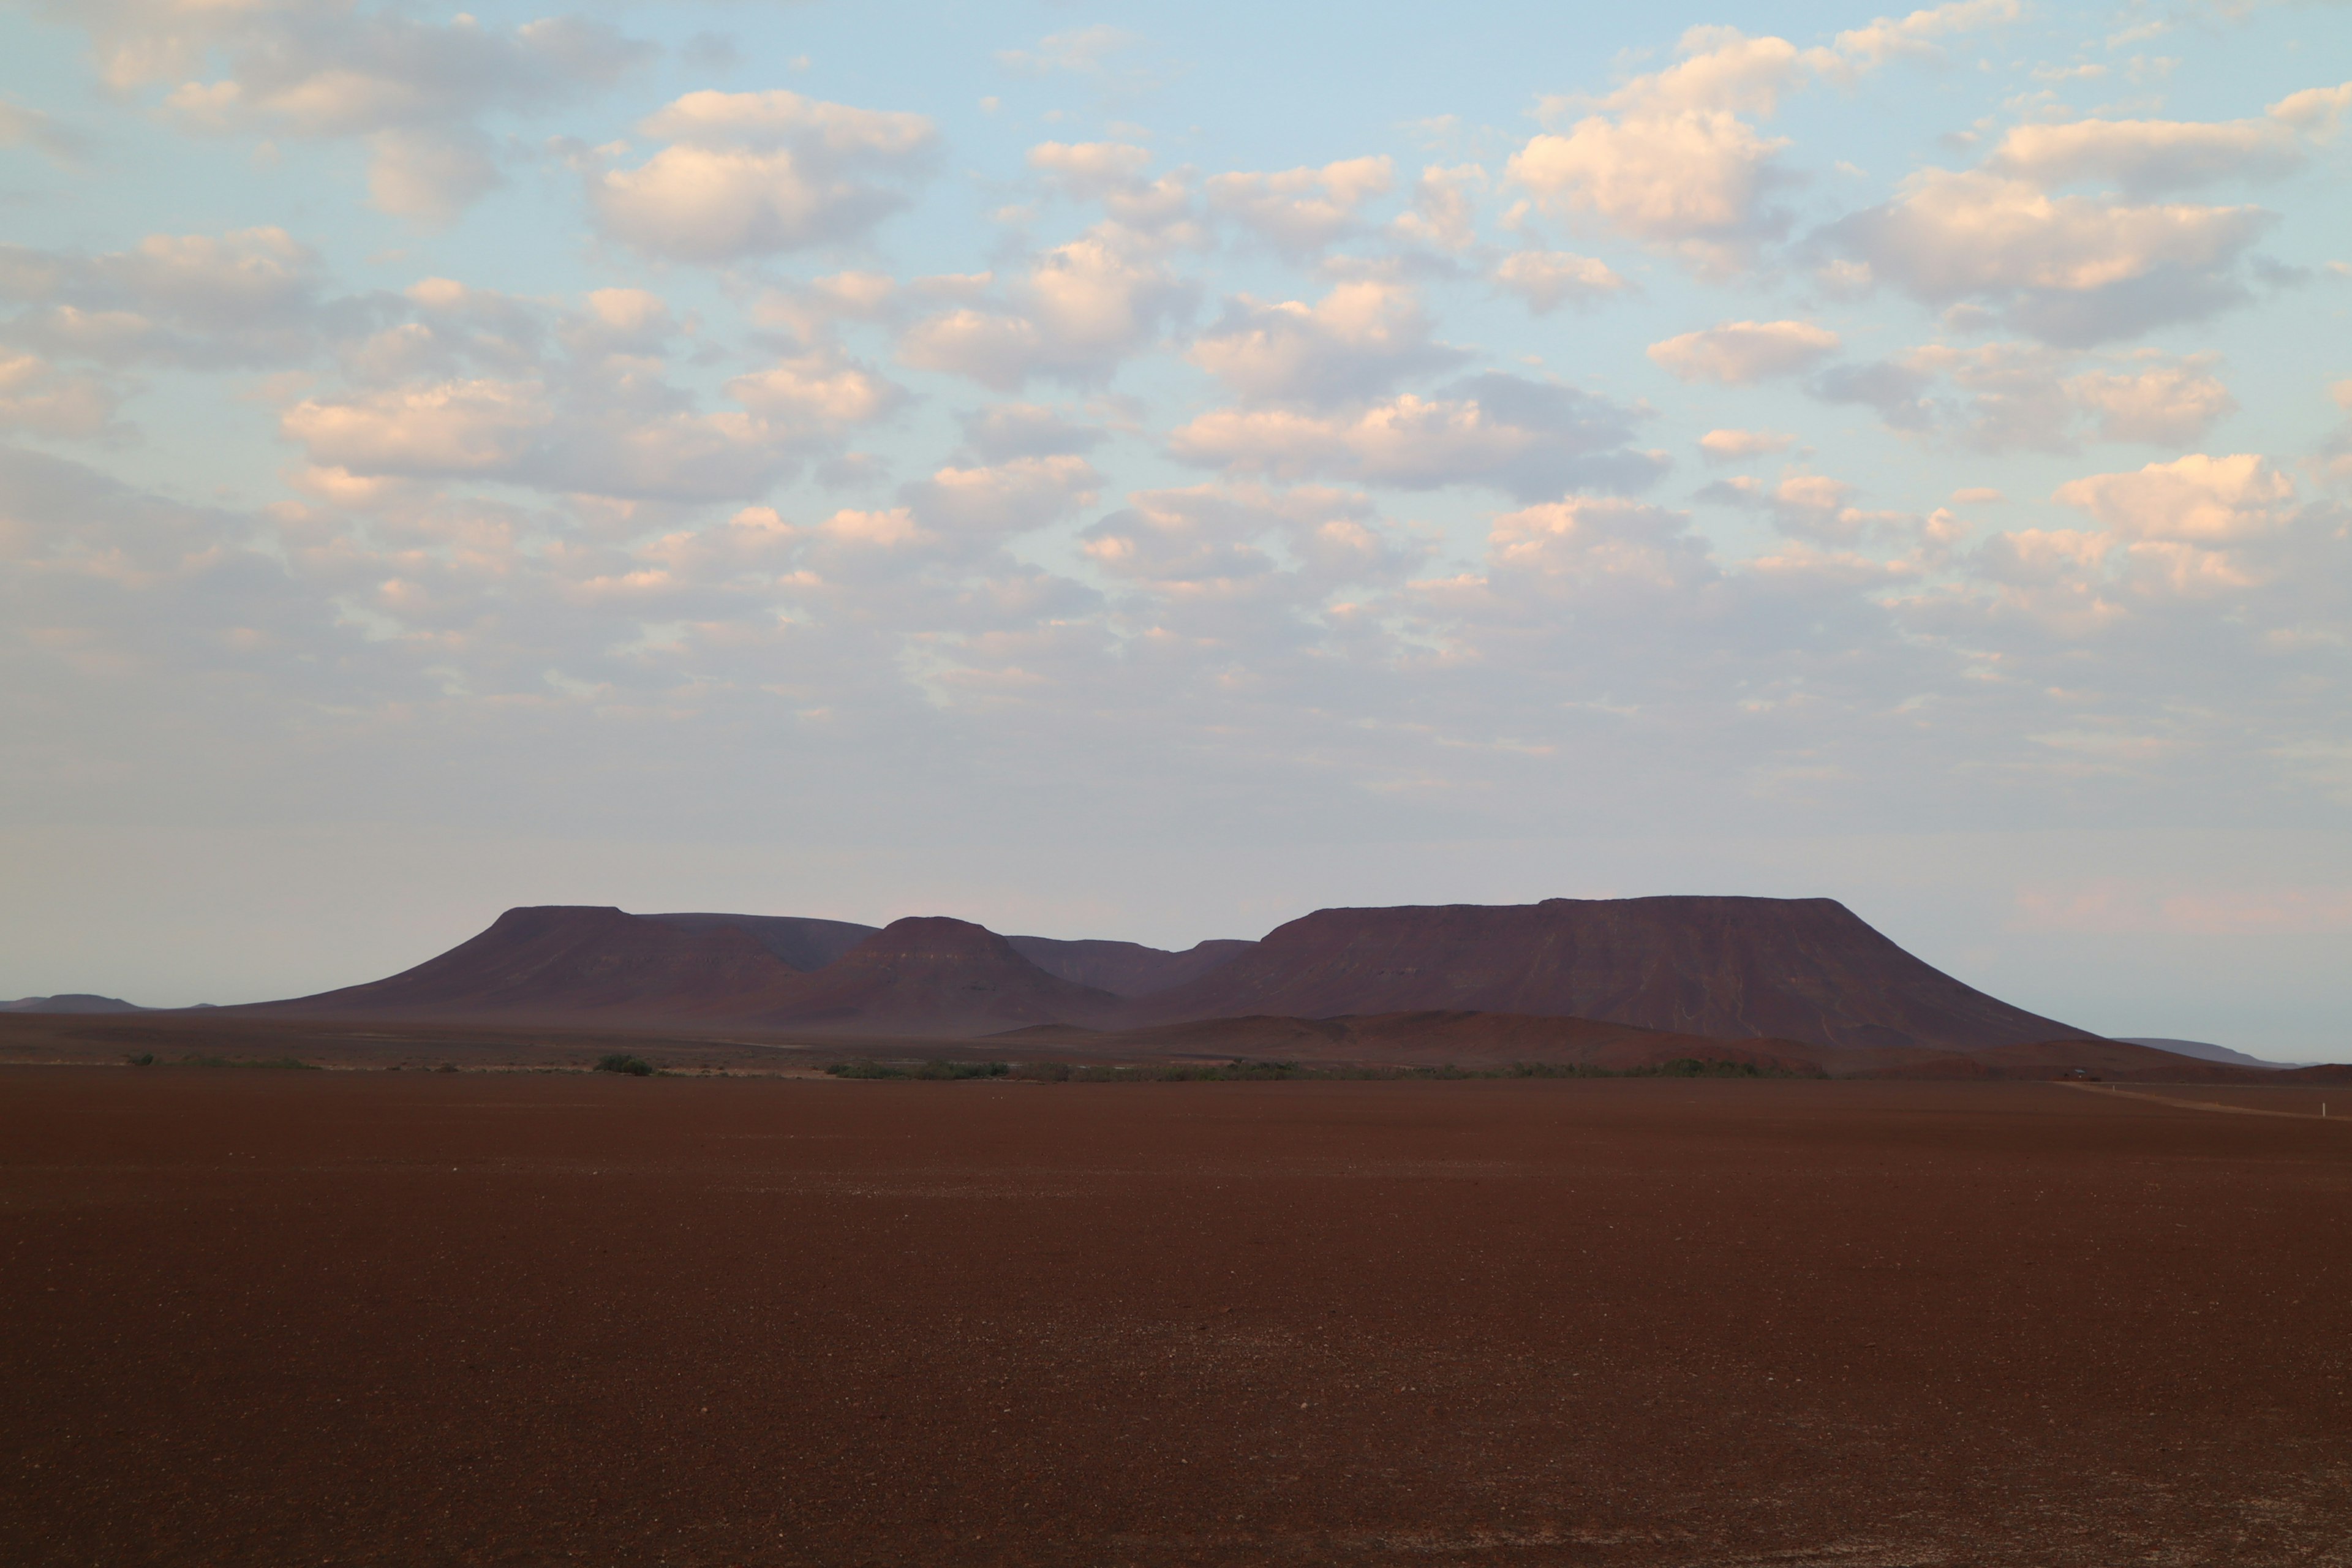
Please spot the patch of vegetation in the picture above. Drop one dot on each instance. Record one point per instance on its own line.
(143, 1060)
(931, 1069)
(1240, 1070)
(249, 1062)
(635, 1066)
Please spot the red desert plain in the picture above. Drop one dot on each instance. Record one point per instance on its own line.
(366, 1317)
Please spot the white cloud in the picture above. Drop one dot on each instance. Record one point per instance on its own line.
(1526, 438)
(2144, 158)
(2028, 395)
(1734, 445)
(1354, 343)
(2069, 269)
(822, 387)
(1547, 279)
(2195, 499)
(1117, 174)
(1082, 308)
(753, 173)
(1007, 497)
(2164, 405)
(1005, 431)
(1919, 32)
(1739, 352)
(37, 398)
(1444, 215)
(1666, 159)
(416, 91)
(1299, 211)
(249, 296)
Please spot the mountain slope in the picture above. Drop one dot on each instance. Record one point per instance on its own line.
(1799, 969)
(931, 976)
(561, 960)
(1125, 968)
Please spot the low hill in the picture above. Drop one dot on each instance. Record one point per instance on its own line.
(1798, 969)
(931, 976)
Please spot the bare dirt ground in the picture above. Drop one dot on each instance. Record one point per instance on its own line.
(264, 1317)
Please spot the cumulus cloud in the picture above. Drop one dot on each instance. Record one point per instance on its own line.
(1547, 279)
(416, 91)
(1006, 497)
(1444, 215)
(2163, 405)
(1666, 159)
(1003, 431)
(753, 173)
(1081, 309)
(249, 296)
(1354, 343)
(2027, 395)
(1528, 438)
(1739, 352)
(486, 387)
(1300, 211)
(823, 387)
(1921, 32)
(2073, 270)
(1117, 174)
(2195, 499)
(2144, 158)
(36, 396)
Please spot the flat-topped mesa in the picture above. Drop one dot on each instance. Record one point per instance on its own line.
(568, 959)
(1798, 969)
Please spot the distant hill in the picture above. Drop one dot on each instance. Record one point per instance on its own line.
(2202, 1051)
(1797, 969)
(1803, 971)
(71, 1002)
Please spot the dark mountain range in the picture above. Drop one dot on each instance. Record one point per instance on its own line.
(2203, 1050)
(70, 1002)
(1797, 969)
(1789, 971)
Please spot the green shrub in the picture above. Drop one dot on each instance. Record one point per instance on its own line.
(635, 1066)
(143, 1060)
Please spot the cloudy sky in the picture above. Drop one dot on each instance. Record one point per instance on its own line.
(1151, 471)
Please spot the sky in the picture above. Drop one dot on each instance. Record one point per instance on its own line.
(1152, 471)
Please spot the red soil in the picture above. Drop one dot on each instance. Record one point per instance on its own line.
(263, 1318)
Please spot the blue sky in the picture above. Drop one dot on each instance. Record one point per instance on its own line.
(1151, 471)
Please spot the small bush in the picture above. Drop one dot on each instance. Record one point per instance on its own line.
(635, 1066)
(143, 1060)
